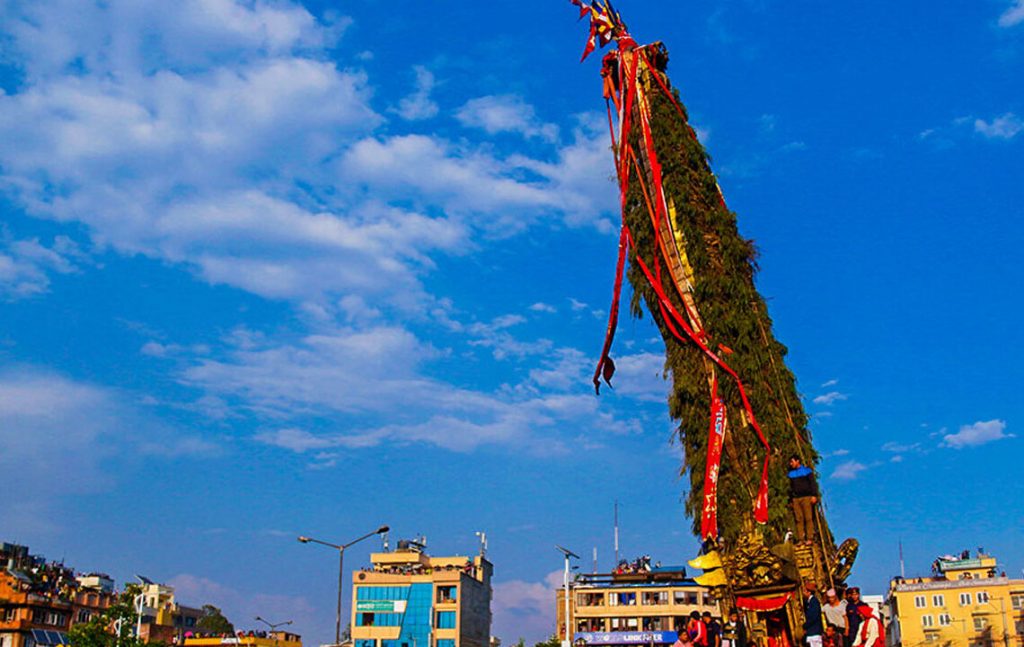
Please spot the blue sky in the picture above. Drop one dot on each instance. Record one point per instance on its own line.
(271, 268)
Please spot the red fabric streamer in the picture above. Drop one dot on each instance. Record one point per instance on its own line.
(605, 366)
(716, 437)
(763, 604)
(629, 90)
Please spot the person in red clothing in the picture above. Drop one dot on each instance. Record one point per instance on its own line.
(871, 632)
(697, 630)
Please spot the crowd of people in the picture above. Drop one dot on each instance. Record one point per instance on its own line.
(36, 575)
(706, 631)
(843, 621)
(417, 568)
(641, 564)
(237, 634)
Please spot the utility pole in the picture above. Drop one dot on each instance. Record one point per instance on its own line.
(565, 581)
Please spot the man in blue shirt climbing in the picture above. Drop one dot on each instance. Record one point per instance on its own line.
(803, 494)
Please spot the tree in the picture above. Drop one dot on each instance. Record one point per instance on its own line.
(112, 628)
(214, 622)
(553, 641)
(706, 269)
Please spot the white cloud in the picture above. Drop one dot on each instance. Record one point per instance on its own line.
(239, 607)
(830, 398)
(505, 113)
(524, 609)
(543, 307)
(974, 435)
(640, 376)
(25, 265)
(848, 471)
(379, 378)
(53, 425)
(900, 448)
(1014, 15)
(418, 105)
(829, 383)
(1006, 126)
(219, 136)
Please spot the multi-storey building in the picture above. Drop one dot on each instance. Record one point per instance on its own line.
(964, 604)
(629, 608)
(39, 601)
(246, 639)
(410, 599)
(163, 618)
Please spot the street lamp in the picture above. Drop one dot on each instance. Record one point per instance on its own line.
(273, 625)
(341, 562)
(139, 603)
(565, 581)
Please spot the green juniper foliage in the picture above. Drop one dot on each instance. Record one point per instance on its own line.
(734, 315)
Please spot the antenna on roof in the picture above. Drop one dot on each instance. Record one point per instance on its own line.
(483, 542)
(903, 571)
(595, 560)
(616, 532)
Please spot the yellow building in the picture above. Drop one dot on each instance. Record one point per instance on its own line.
(250, 639)
(633, 608)
(965, 604)
(410, 599)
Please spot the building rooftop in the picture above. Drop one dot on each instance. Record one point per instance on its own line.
(934, 583)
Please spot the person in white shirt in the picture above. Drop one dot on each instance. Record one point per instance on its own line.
(835, 610)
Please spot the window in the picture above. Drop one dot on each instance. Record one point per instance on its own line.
(445, 620)
(84, 615)
(382, 593)
(926, 621)
(655, 598)
(622, 599)
(655, 624)
(447, 594)
(446, 642)
(938, 601)
(589, 599)
(980, 624)
(920, 601)
(623, 624)
(366, 643)
(378, 619)
(965, 599)
(1017, 601)
(982, 597)
(686, 597)
(945, 620)
(11, 615)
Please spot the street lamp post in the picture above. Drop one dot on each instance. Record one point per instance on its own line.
(341, 565)
(140, 600)
(273, 625)
(565, 582)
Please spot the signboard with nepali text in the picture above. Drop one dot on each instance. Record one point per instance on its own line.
(380, 606)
